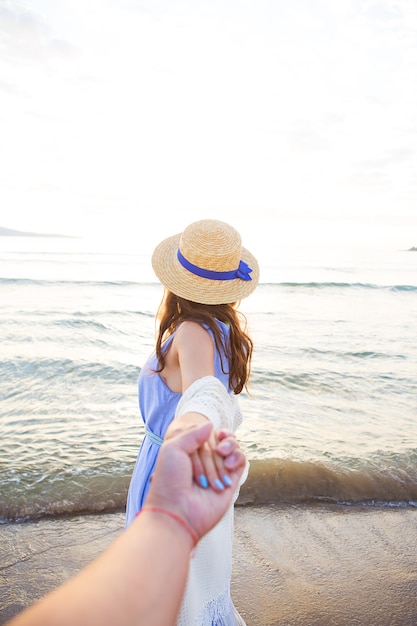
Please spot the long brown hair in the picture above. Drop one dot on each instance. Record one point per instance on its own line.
(238, 350)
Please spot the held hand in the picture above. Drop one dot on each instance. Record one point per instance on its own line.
(209, 462)
(209, 469)
(174, 489)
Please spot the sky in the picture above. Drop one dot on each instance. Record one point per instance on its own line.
(293, 121)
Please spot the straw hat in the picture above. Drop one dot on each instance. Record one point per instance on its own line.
(206, 264)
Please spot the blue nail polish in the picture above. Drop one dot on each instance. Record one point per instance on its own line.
(227, 481)
(203, 481)
(219, 484)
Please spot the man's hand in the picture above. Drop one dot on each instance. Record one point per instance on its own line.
(174, 487)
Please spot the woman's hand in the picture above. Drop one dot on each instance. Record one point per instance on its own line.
(212, 462)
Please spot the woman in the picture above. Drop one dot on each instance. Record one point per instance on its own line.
(201, 362)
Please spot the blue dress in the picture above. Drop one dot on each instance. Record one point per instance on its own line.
(157, 405)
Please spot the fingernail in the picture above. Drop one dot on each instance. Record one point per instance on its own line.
(203, 481)
(225, 447)
(230, 461)
(219, 484)
(227, 481)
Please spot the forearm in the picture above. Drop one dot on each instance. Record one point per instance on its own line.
(185, 422)
(140, 579)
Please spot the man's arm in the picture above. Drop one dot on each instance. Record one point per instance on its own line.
(140, 578)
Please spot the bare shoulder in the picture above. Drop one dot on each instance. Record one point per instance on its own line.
(192, 331)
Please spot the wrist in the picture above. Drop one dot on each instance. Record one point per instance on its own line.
(170, 519)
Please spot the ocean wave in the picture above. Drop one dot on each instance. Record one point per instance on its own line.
(352, 354)
(321, 381)
(69, 282)
(288, 380)
(286, 481)
(313, 285)
(57, 497)
(331, 284)
(273, 481)
(48, 369)
(75, 319)
(404, 288)
(318, 285)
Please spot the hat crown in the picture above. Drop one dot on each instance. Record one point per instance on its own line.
(211, 245)
(206, 263)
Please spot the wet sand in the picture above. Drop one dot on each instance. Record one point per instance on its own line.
(296, 565)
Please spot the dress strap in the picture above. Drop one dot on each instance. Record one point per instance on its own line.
(154, 438)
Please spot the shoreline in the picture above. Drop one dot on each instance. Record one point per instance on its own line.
(293, 565)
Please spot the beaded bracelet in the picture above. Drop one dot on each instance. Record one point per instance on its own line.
(178, 519)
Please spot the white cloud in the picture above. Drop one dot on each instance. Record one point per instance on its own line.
(111, 110)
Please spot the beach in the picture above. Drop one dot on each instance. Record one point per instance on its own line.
(293, 565)
(326, 530)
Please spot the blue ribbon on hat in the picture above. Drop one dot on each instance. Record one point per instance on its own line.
(241, 272)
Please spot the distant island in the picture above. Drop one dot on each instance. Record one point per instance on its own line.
(9, 232)
(413, 249)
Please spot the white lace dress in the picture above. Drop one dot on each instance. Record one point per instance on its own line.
(207, 600)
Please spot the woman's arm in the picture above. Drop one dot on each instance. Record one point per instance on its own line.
(192, 352)
(195, 349)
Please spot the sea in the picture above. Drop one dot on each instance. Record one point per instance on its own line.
(331, 410)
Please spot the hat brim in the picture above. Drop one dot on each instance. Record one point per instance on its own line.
(186, 285)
